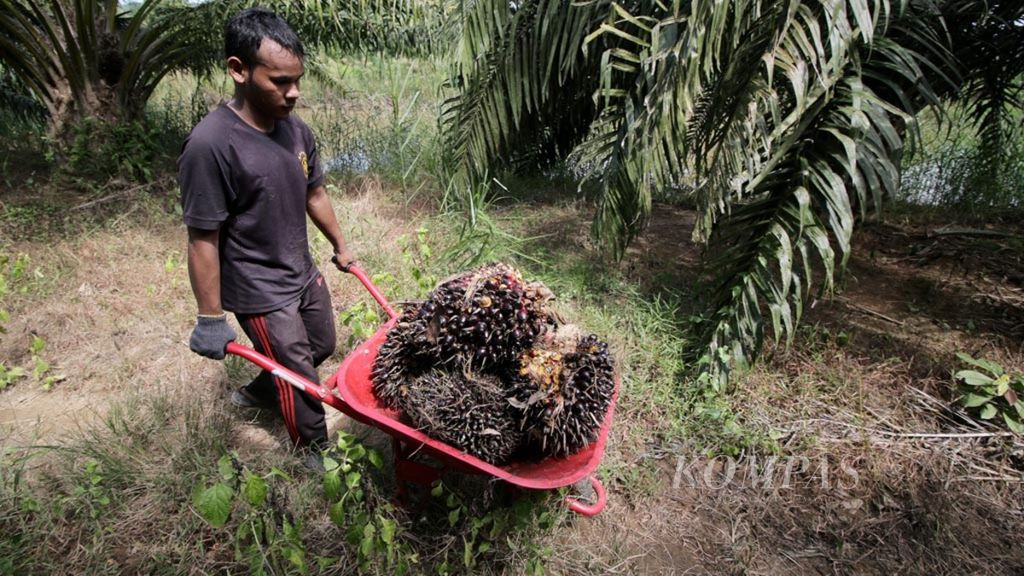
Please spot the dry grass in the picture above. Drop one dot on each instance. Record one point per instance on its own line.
(115, 308)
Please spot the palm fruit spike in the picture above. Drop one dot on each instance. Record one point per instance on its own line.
(562, 391)
(399, 357)
(485, 317)
(464, 410)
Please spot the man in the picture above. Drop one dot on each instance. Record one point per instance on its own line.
(249, 174)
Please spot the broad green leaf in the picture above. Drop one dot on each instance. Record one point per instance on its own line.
(973, 378)
(332, 484)
(337, 513)
(988, 412)
(291, 531)
(277, 472)
(965, 357)
(330, 464)
(226, 467)
(1013, 423)
(254, 489)
(987, 365)
(214, 504)
(974, 400)
(375, 459)
(356, 452)
(296, 556)
(387, 530)
(366, 546)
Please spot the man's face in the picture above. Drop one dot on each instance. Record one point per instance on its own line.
(272, 84)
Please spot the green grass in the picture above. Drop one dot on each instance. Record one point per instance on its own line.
(122, 498)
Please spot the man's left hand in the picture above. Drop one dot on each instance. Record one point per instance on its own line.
(344, 259)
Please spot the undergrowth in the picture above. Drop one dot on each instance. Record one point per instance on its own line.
(158, 490)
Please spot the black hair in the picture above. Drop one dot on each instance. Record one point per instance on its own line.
(246, 29)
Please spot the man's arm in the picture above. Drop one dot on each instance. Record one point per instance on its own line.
(320, 210)
(204, 269)
(212, 333)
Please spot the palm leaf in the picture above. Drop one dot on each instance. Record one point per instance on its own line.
(521, 86)
(57, 48)
(843, 154)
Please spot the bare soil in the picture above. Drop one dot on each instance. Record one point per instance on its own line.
(885, 474)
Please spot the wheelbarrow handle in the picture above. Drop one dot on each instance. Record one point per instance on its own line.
(589, 509)
(278, 371)
(370, 287)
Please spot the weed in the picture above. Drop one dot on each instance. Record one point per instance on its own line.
(90, 495)
(35, 349)
(478, 537)
(479, 236)
(369, 529)
(11, 275)
(362, 319)
(267, 537)
(15, 279)
(172, 262)
(952, 169)
(101, 150)
(40, 367)
(992, 392)
(239, 371)
(9, 375)
(380, 123)
(31, 219)
(417, 257)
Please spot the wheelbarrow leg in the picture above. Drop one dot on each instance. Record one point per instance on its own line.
(406, 470)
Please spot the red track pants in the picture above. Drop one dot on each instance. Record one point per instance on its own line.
(300, 337)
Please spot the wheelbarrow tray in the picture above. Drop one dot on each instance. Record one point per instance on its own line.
(355, 397)
(350, 390)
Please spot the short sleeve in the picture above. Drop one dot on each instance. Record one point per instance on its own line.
(204, 177)
(316, 171)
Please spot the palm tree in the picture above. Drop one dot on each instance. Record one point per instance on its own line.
(785, 120)
(91, 58)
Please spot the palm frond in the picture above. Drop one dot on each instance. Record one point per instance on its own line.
(521, 81)
(824, 169)
(89, 52)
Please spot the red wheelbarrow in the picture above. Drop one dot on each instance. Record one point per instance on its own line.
(350, 390)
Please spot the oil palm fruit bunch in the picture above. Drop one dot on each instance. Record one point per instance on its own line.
(561, 390)
(485, 317)
(400, 357)
(465, 410)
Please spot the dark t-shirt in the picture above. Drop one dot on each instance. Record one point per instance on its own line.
(252, 186)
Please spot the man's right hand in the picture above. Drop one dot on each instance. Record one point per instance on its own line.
(211, 336)
(344, 259)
